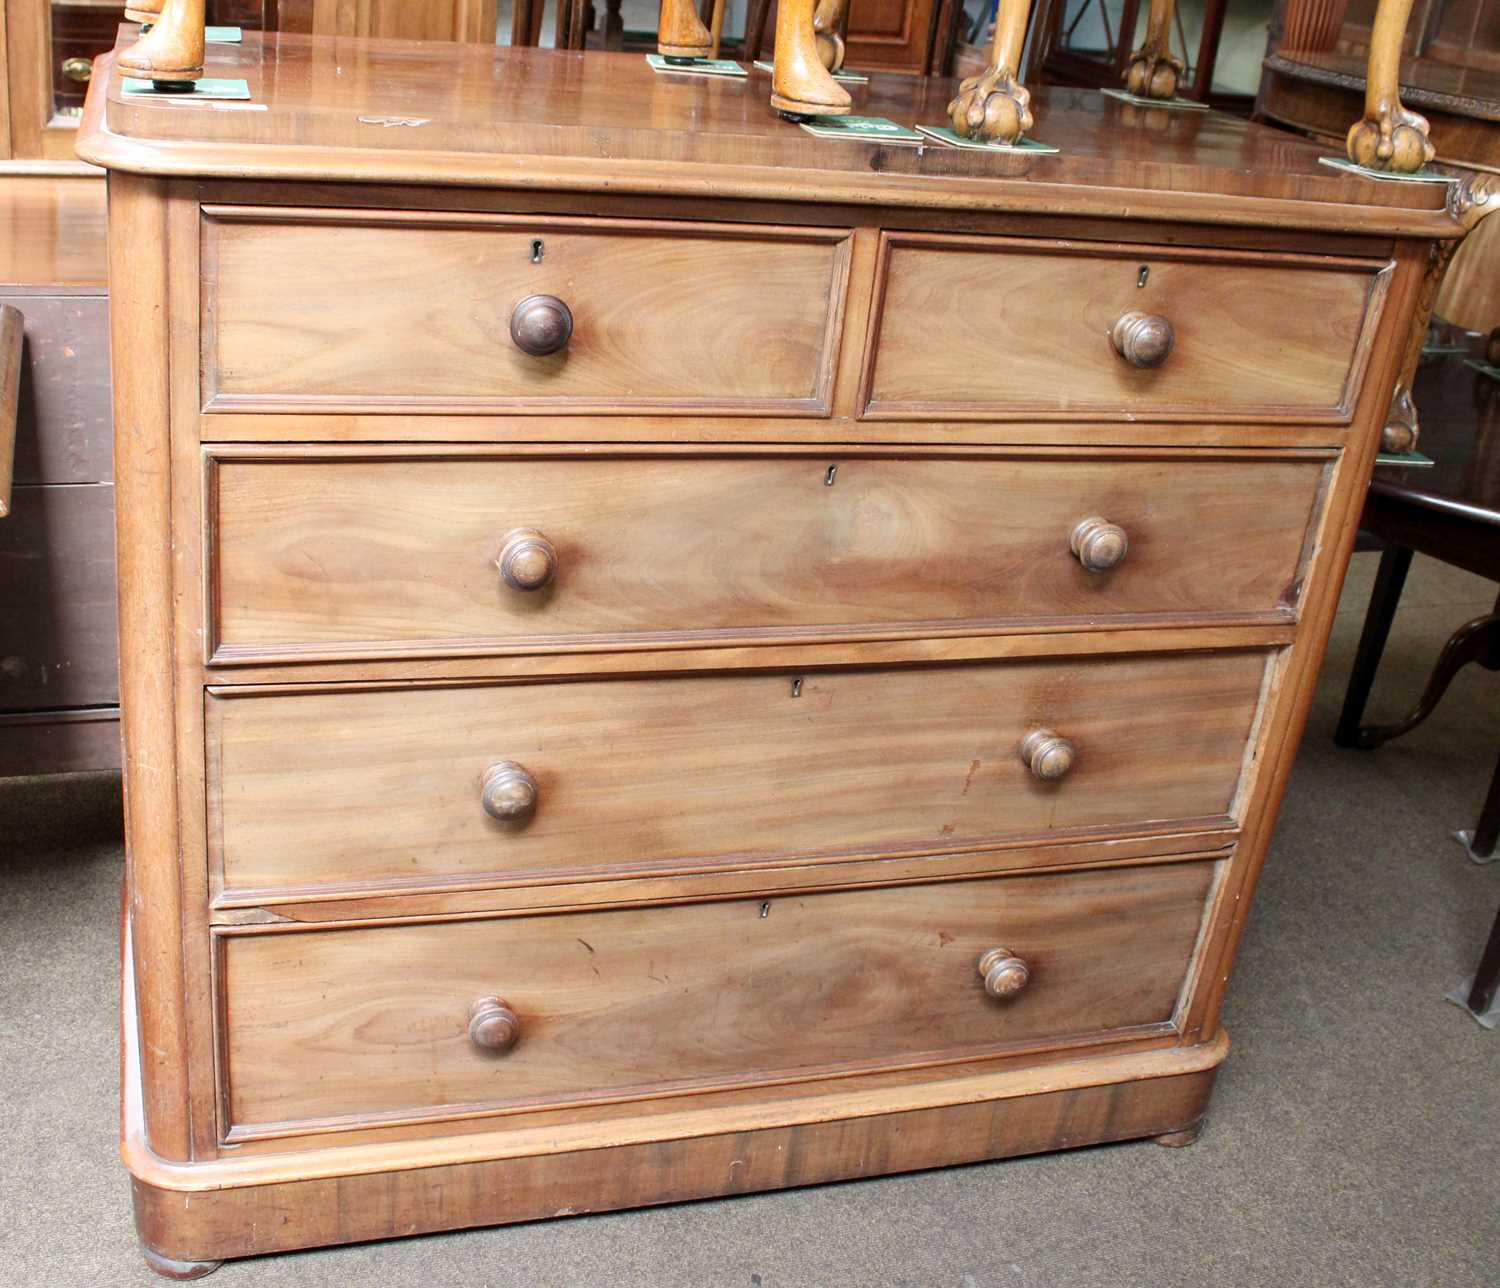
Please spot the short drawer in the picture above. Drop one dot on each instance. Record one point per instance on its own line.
(346, 555)
(401, 786)
(372, 311)
(354, 1025)
(980, 326)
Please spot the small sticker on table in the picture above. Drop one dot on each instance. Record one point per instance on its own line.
(868, 129)
(1404, 458)
(208, 87)
(942, 134)
(223, 35)
(1484, 369)
(1178, 103)
(695, 66)
(843, 73)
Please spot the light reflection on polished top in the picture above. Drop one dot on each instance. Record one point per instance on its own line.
(341, 108)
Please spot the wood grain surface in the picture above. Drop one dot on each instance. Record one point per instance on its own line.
(380, 785)
(687, 315)
(985, 326)
(348, 554)
(350, 1023)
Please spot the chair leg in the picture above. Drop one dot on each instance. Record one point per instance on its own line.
(1395, 562)
(755, 29)
(1482, 993)
(1474, 641)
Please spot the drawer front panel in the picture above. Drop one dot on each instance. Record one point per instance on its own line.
(362, 556)
(383, 786)
(665, 316)
(373, 1022)
(982, 326)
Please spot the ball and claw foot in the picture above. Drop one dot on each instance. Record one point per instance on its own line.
(1177, 1139)
(1396, 141)
(993, 107)
(1402, 425)
(167, 1268)
(1153, 75)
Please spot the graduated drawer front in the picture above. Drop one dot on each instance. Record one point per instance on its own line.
(977, 326)
(379, 310)
(352, 1024)
(382, 786)
(355, 555)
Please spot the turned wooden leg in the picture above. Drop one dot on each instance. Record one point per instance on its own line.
(681, 33)
(828, 30)
(1153, 71)
(170, 55)
(800, 84)
(1388, 137)
(143, 11)
(1395, 562)
(995, 106)
(1177, 1139)
(1474, 641)
(167, 1268)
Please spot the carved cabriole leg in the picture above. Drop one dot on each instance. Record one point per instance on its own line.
(1389, 137)
(801, 85)
(995, 106)
(1402, 425)
(1154, 70)
(828, 22)
(680, 32)
(171, 52)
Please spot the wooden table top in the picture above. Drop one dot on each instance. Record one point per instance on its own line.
(343, 109)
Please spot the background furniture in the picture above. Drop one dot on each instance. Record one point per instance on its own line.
(714, 790)
(1450, 511)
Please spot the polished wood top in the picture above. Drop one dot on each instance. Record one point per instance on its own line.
(397, 111)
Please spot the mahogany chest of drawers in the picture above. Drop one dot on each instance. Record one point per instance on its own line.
(664, 656)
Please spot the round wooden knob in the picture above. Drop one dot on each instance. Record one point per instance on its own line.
(1048, 755)
(493, 1025)
(528, 561)
(1099, 544)
(509, 792)
(541, 324)
(1142, 339)
(1004, 975)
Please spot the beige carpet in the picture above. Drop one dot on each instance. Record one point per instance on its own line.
(1355, 1136)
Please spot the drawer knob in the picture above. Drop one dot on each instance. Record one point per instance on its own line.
(509, 792)
(1099, 544)
(528, 561)
(1048, 755)
(493, 1025)
(1004, 974)
(1142, 339)
(77, 70)
(541, 325)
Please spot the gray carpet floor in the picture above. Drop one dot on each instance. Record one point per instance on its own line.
(1354, 1138)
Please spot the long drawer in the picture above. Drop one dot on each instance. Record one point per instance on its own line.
(665, 316)
(981, 326)
(368, 555)
(422, 1020)
(409, 785)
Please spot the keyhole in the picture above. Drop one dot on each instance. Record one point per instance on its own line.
(833, 473)
(538, 249)
(1141, 277)
(797, 687)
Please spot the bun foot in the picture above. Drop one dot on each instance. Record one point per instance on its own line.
(800, 84)
(1177, 1139)
(681, 33)
(167, 1268)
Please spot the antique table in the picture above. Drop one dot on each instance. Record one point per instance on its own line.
(667, 656)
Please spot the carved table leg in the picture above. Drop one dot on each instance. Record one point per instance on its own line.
(170, 55)
(1154, 70)
(801, 85)
(179, 1270)
(994, 106)
(680, 32)
(1389, 137)
(1475, 641)
(828, 21)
